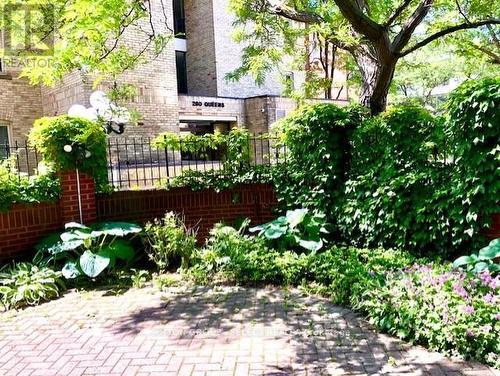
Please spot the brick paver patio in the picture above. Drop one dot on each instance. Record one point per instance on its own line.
(206, 331)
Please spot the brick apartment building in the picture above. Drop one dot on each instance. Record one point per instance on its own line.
(184, 89)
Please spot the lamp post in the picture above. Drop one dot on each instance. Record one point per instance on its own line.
(112, 118)
(69, 149)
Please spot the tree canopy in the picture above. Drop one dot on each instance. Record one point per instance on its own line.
(84, 35)
(377, 34)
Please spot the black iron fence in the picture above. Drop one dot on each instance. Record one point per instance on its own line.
(20, 158)
(137, 163)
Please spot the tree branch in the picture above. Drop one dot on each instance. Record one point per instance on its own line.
(449, 30)
(397, 13)
(401, 40)
(495, 58)
(461, 11)
(294, 14)
(360, 22)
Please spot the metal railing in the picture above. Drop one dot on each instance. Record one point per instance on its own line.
(20, 158)
(136, 163)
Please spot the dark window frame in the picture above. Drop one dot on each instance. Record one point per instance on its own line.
(181, 72)
(179, 19)
(4, 147)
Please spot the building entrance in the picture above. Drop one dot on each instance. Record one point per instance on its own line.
(200, 128)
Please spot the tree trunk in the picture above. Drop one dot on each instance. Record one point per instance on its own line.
(376, 77)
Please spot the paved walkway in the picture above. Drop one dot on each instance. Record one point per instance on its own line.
(203, 331)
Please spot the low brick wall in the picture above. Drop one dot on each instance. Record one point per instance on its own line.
(23, 226)
(204, 207)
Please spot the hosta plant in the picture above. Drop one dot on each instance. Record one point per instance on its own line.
(484, 259)
(26, 284)
(300, 227)
(88, 251)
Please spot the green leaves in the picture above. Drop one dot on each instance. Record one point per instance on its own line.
(485, 259)
(93, 264)
(317, 140)
(300, 227)
(167, 240)
(88, 250)
(491, 251)
(119, 229)
(71, 270)
(26, 284)
(86, 138)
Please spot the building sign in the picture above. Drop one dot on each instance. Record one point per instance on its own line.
(207, 104)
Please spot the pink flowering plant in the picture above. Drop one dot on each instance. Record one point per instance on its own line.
(447, 310)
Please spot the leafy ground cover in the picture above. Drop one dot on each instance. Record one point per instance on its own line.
(419, 300)
(426, 301)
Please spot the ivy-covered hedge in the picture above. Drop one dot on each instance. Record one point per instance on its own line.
(317, 156)
(403, 179)
(397, 195)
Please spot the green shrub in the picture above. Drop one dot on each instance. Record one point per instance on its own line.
(231, 255)
(392, 198)
(235, 145)
(404, 179)
(88, 251)
(345, 273)
(317, 157)
(26, 284)
(406, 192)
(8, 188)
(445, 310)
(168, 239)
(473, 129)
(84, 141)
(225, 255)
(220, 180)
(26, 189)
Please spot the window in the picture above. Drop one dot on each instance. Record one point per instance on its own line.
(179, 18)
(180, 61)
(4, 141)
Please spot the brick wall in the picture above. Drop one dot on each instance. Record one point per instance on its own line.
(205, 207)
(200, 42)
(69, 205)
(20, 105)
(23, 226)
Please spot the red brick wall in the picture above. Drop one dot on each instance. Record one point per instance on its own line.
(23, 226)
(205, 207)
(69, 197)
